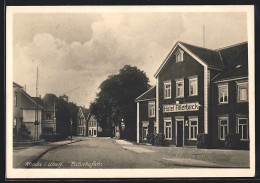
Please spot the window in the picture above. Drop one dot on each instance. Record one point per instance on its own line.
(242, 93)
(15, 122)
(180, 88)
(168, 129)
(151, 109)
(179, 56)
(95, 132)
(193, 128)
(167, 89)
(193, 86)
(243, 128)
(15, 99)
(223, 94)
(223, 127)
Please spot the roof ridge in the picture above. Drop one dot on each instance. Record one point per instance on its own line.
(230, 46)
(145, 92)
(197, 46)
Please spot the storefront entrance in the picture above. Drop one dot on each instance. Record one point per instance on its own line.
(179, 132)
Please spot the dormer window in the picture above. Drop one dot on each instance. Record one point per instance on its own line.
(179, 56)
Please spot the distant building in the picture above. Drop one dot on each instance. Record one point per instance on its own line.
(27, 108)
(198, 90)
(82, 118)
(92, 126)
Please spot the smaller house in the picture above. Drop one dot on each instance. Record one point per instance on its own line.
(29, 111)
(82, 118)
(94, 128)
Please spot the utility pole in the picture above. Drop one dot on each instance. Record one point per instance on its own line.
(36, 124)
(204, 36)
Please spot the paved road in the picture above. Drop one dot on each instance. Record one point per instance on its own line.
(103, 153)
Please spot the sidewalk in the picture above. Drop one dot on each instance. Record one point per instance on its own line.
(191, 156)
(27, 153)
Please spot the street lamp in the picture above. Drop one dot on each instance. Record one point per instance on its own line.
(71, 129)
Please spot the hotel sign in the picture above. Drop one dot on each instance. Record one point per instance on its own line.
(181, 107)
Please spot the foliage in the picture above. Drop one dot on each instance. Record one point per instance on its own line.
(65, 112)
(52, 137)
(159, 140)
(115, 101)
(22, 134)
(150, 138)
(203, 141)
(232, 141)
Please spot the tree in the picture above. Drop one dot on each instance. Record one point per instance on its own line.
(115, 101)
(65, 111)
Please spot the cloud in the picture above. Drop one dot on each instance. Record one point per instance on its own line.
(82, 50)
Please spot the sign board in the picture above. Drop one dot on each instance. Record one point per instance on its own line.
(181, 107)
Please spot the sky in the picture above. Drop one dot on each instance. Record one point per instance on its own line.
(75, 52)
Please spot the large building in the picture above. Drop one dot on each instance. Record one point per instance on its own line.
(198, 90)
(27, 110)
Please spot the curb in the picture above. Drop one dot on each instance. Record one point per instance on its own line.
(47, 150)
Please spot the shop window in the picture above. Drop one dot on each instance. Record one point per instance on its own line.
(151, 109)
(223, 127)
(168, 129)
(223, 94)
(242, 93)
(193, 128)
(179, 88)
(243, 128)
(167, 89)
(193, 86)
(179, 56)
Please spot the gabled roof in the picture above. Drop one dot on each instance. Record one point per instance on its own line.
(210, 57)
(204, 56)
(235, 58)
(148, 95)
(84, 111)
(16, 84)
(45, 105)
(31, 99)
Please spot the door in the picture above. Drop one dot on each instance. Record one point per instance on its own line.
(145, 132)
(179, 134)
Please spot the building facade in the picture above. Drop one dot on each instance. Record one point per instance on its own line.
(92, 126)
(29, 111)
(198, 90)
(82, 118)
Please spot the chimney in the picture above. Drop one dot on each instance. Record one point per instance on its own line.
(40, 96)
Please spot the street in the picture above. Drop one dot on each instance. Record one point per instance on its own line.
(103, 153)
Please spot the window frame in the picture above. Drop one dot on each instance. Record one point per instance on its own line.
(240, 84)
(179, 55)
(238, 118)
(194, 118)
(165, 83)
(219, 127)
(192, 79)
(220, 86)
(15, 99)
(151, 103)
(15, 121)
(168, 127)
(177, 82)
